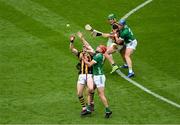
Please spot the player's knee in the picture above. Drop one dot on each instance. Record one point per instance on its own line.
(101, 94)
(127, 56)
(79, 93)
(107, 53)
(91, 90)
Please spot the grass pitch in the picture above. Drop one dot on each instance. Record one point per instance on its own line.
(37, 70)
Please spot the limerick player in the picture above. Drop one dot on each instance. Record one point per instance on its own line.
(98, 74)
(99, 77)
(125, 35)
(85, 77)
(122, 36)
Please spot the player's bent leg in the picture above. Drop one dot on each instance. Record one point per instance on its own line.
(108, 56)
(108, 53)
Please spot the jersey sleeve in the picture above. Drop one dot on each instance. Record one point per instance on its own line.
(98, 57)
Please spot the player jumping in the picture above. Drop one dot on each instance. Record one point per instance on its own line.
(121, 35)
(85, 78)
(98, 74)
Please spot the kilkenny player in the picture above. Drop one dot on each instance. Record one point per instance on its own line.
(84, 79)
(98, 73)
(110, 42)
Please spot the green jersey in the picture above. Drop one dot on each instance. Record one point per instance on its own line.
(98, 67)
(126, 35)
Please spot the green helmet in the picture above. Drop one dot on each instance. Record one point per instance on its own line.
(111, 16)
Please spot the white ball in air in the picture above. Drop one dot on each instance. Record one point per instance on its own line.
(67, 25)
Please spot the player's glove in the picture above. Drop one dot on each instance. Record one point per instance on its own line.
(96, 33)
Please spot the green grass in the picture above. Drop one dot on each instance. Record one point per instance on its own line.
(37, 70)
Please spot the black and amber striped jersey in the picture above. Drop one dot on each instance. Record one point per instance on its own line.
(81, 66)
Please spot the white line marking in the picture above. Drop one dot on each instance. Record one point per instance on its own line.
(147, 90)
(136, 83)
(136, 9)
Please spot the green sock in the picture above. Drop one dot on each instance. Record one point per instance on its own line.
(107, 109)
(88, 107)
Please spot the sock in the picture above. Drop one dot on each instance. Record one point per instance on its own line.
(81, 99)
(92, 98)
(107, 109)
(88, 107)
(130, 70)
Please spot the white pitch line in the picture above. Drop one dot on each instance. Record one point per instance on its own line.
(136, 9)
(147, 90)
(136, 83)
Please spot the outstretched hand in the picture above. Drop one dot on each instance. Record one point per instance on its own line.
(72, 38)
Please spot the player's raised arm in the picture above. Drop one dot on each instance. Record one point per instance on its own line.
(96, 33)
(71, 46)
(93, 31)
(85, 43)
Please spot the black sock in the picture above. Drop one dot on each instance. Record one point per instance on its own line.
(82, 101)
